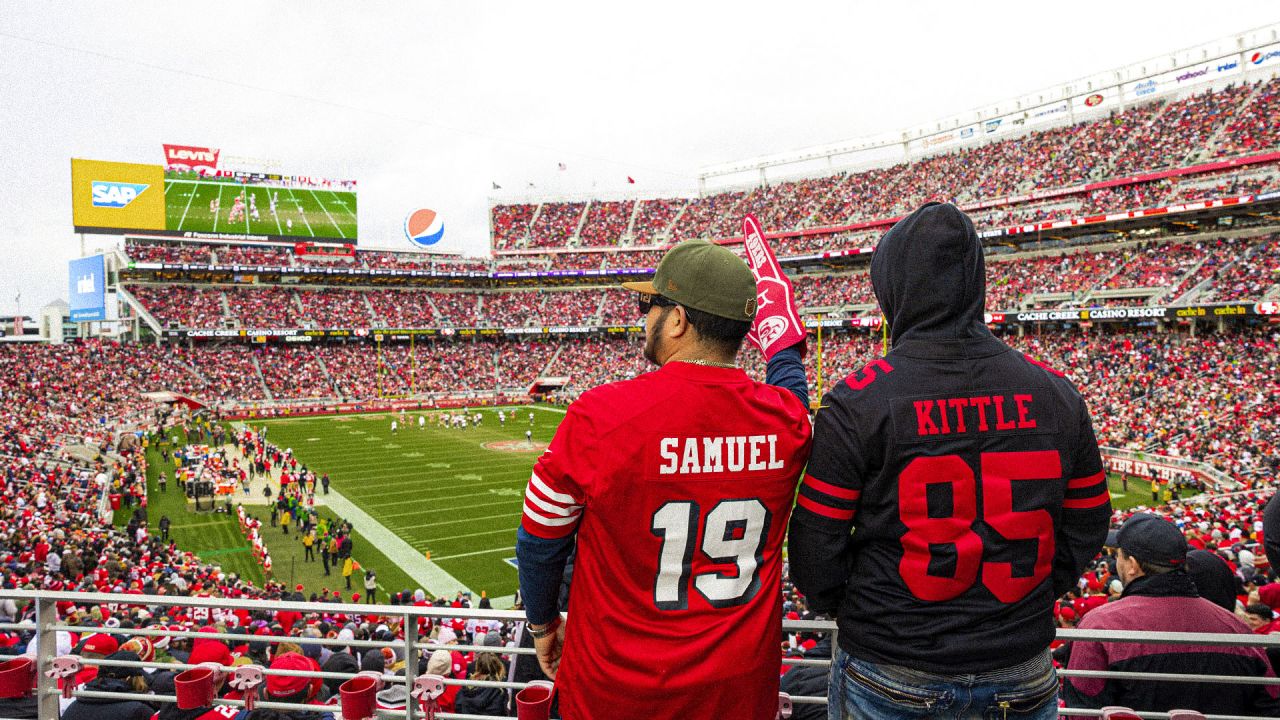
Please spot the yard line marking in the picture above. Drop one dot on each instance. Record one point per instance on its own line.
(477, 552)
(299, 211)
(190, 197)
(421, 488)
(443, 497)
(455, 522)
(507, 501)
(326, 212)
(546, 409)
(276, 216)
(425, 542)
(339, 201)
(221, 187)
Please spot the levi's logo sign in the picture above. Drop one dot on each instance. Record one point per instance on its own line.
(1018, 412)
(110, 194)
(189, 155)
(184, 154)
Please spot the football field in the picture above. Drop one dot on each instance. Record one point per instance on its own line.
(455, 493)
(303, 212)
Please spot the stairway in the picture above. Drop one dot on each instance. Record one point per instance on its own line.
(628, 235)
(574, 239)
(666, 231)
(328, 376)
(261, 379)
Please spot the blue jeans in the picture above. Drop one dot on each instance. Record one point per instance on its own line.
(864, 690)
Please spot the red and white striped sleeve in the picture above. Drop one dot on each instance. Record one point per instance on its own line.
(547, 512)
(555, 496)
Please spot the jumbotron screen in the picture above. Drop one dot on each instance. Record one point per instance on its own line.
(112, 197)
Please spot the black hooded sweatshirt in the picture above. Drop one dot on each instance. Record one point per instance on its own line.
(955, 487)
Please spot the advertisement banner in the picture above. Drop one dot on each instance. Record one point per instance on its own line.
(1048, 113)
(1094, 101)
(126, 196)
(87, 289)
(1151, 470)
(1263, 57)
(1182, 77)
(109, 197)
(188, 157)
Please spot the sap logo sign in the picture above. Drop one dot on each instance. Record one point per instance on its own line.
(84, 284)
(115, 194)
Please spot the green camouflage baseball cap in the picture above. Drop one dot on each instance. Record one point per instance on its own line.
(704, 276)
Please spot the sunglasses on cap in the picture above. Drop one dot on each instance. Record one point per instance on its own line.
(648, 301)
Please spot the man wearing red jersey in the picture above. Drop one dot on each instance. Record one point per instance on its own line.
(677, 486)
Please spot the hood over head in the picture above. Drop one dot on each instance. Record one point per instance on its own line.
(929, 276)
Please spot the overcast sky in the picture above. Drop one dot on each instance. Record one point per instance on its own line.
(426, 104)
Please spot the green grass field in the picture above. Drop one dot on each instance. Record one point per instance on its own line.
(216, 538)
(441, 490)
(313, 212)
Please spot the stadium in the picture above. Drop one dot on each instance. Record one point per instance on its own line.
(250, 408)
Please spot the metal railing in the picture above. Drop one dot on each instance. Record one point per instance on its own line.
(411, 646)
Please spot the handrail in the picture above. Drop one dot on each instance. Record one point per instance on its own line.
(411, 647)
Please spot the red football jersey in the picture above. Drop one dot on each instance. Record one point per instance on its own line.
(679, 484)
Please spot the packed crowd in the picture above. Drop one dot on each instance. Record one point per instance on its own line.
(606, 222)
(1210, 398)
(166, 252)
(1223, 269)
(1160, 134)
(251, 255)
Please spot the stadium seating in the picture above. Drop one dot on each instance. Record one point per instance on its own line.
(606, 222)
(1155, 135)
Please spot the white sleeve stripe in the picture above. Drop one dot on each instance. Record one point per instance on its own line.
(531, 491)
(549, 522)
(549, 493)
(530, 497)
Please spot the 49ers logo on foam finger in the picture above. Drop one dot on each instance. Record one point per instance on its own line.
(777, 322)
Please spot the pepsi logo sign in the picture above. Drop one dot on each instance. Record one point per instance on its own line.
(424, 227)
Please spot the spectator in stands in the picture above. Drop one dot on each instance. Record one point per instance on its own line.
(952, 629)
(113, 680)
(1159, 596)
(808, 681)
(484, 700)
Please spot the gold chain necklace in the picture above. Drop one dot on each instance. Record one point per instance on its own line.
(712, 363)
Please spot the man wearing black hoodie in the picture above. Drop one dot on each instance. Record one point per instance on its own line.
(954, 491)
